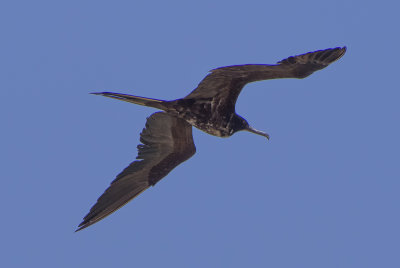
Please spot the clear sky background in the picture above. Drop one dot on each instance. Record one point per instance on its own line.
(323, 192)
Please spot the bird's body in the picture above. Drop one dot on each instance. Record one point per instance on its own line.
(167, 139)
(204, 114)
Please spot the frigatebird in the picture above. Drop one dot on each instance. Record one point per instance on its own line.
(167, 137)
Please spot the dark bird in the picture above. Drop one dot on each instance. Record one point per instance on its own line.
(167, 138)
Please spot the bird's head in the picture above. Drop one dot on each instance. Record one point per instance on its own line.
(238, 123)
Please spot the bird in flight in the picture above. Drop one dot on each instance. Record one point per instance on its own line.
(167, 137)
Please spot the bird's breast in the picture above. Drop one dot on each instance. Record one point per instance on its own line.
(200, 114)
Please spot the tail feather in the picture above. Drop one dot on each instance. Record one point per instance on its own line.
(155, 103)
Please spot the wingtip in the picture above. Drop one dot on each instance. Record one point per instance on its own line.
(333, 53)
(82, 226)
(337, 53)
(343, 50)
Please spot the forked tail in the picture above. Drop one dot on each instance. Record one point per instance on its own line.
(134, 99)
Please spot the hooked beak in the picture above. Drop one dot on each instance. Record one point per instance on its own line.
(258, 132)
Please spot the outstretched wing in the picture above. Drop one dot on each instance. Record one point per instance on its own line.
(224, 84)
(167, 142)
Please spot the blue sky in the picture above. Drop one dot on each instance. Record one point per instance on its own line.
(323, 192)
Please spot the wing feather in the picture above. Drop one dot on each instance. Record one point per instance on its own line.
(225, 84)
(167, 142)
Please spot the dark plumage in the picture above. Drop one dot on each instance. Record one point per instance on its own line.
(167, 138)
